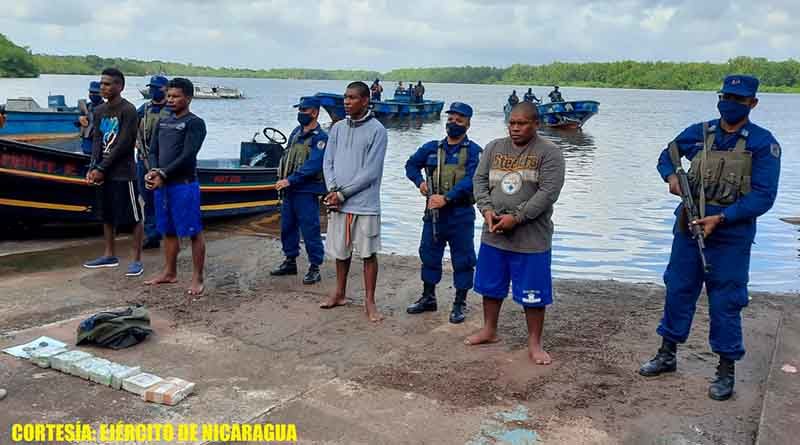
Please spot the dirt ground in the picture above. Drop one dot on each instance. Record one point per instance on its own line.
(261, 350)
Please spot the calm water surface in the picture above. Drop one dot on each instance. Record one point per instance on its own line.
(614, 217)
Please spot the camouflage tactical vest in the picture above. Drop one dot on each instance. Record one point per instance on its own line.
(720, 177)
(295, 156)
(147, 124)
(446, 176)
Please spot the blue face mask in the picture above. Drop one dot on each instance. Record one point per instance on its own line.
(96, 99)
(304, 119)
(157, 94)
(733, 112)
(454, 130)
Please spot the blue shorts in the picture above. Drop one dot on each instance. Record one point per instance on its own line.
(178, 209)
(529, 274)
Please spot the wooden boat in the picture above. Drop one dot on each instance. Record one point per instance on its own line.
(400, 107)
(792, 220)
(26, 120)
(568, 115)
(207, 92)
(45, 183)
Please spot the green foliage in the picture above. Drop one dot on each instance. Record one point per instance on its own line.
(16, 61)
(93, 65)
(775, 76)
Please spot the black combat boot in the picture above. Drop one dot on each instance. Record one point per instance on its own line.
(287, 267)
(664, 361)
(312, 276)
(722, 387)
(426, 303)
(459, 306)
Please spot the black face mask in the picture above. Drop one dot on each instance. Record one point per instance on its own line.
(455, 130)
(304, 118)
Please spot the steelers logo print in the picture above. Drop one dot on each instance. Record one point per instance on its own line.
(511, 183)
(321, 145)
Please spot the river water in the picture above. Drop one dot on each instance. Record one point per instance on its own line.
(614, 217)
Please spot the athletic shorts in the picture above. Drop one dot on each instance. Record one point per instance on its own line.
(347, 232)
(178, 209)
(528, 273)
(119, 203)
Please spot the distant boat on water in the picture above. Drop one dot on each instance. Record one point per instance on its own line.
(207, 92)
(401, 106)
(568, 115)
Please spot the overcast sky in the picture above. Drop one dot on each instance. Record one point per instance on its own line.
(386, 34)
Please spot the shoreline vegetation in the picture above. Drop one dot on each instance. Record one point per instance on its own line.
(775, 76)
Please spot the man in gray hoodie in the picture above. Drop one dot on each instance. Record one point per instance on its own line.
(353, 167)
(516, 184)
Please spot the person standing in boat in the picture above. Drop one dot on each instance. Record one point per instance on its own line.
(744, 162)
(451, 162)
(377, 90)
(301, 184)
(518, 181)
(410, 91)
(353, 168)
(555, 95)
(113, 170)
(513, 99)
(85, 122)
(400, 90)
(530, 97)
(176, 141)
(419, 92)
(150, 113)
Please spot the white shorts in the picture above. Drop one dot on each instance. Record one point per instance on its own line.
(364, 235)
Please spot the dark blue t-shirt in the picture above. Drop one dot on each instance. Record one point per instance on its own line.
(175, 144)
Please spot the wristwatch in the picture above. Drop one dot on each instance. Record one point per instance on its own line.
(721, 218)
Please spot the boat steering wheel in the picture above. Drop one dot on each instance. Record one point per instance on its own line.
(274, 135)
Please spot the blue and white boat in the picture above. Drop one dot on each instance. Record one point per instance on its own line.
(568, 115)
(399, 107)
(27, 121)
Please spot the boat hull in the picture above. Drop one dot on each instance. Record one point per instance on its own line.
(384, 110)
(565, 115)
(41, 184)
(31, 125)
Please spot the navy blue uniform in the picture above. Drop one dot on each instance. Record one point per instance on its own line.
(300, 206)
(456, 219)
(727, 248)
(150, 229)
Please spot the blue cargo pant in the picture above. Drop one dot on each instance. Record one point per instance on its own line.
(300, 214)
(460, 236)
(728, 252)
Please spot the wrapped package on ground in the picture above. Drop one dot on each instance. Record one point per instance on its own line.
(121, 372)
(64, 361)
(41, 357)
(139, 383)
(83, 368)
(169, 392)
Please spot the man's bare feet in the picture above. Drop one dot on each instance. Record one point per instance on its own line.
(196, 289)
(539, 356)
(162, 279)
(481, 337)
(335, 300)
(372, 313)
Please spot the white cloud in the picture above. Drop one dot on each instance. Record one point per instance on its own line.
(385, 34)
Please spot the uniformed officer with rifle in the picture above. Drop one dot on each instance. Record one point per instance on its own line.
(449, 219)
(733, 179)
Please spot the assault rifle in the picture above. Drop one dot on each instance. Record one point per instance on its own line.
(690, 209)
(432, 213)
